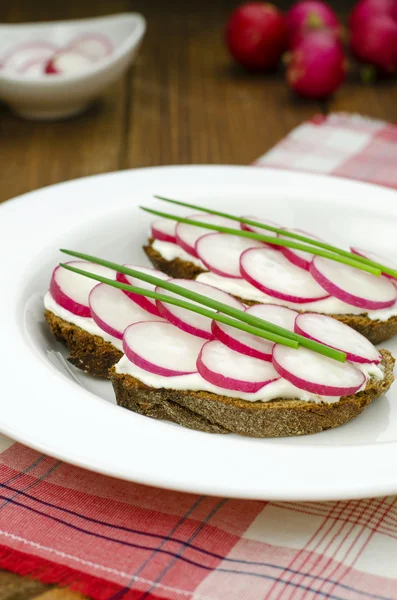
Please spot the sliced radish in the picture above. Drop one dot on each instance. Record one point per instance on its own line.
(146, 303)
(221, 252)
(71, 290)
(93, 45)
(259, 230)
(163, 230)
(352, 285)
(242, 342)
(383, 260)
(298, 257)
(113, 311)
(33, 67)
(159, 347)
(187, 235)
(316, 373)
(17, 56)
(67, 62)
(187, 320)
(278, 315)
(273, 274)
(331, 332)
(231, 370)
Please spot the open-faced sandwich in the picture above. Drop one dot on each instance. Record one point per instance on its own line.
(277, 271)
(193, 354)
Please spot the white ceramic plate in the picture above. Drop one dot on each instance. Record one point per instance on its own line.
(56, 409)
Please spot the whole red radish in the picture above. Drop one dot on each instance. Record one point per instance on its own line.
(256, 35)
(317, 66)
(306, 15)
(374, 42)
(367, 9)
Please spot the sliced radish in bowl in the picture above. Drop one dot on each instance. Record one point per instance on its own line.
(113, 311)
(383, 260)
(160, 348)
(331, 332)
(146, 303)
(273, 313)
(231, 370)
(353, 286)
(316, 373)
(67, 62)
(163, 230)
(93, 45)
(189, 321)
(187, 235)
(71, 290)
(33, 67)
(298, 257)
(270, 272)
(221, 252)
(260, 230)
(20, 54)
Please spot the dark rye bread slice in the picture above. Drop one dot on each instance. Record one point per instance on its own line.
(88, 352)
(209, 412)
(375, 331)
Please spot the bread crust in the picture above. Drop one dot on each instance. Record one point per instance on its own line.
(209, 412)
(88, 352)
(375, 331)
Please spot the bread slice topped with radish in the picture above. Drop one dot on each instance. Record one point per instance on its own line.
(261, 262)
(187, 352)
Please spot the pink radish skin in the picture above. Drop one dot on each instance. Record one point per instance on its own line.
(311, 14)
(71, 290)
(352, 285)
(157, 346)
(261, 231)
(273, 313)
(316, 373)
(383, 260)
(67, 62)
(367, 9)
(374, 42)
(187, 235)
(298, 257)
(270, 272)
(221, 252)
(163, 230)
(113, 311)
(219, 365)
(146, 303)
(188, 321)
(335, 334)
(242, 342)
(93, 45)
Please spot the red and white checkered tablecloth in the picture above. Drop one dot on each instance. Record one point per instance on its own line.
(116, 540)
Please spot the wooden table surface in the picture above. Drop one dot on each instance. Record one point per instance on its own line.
(182, 102)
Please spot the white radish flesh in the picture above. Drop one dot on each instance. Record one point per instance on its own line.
(33, 67)
(260, 230)
(189, 321)
(298, 257)
(273, 313)
(383, 260)
(19, 55)
(146, 303)
(71, 290)
(270, 272)
(163, 230)
(93, 45)
(187, 235)
(160, 348)
(221, 252)
(68, 62)
(331, 332)
(230, 370)
(316, 373)
(353, 286)
(113, 311)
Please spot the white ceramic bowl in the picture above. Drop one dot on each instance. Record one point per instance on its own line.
(60, 96)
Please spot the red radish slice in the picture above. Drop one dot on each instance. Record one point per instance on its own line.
(187, 235)
(278, 315)
(222, 366)
(259, 230)
(383, 260)
(33, 67)
(93, 45)
(352, 285)
(158, 347)
(331, 332)
(113, 311)
(221, 252)
(146, 303)
(273, 274)
(68, 62)
(316, 373)
(187, 320)
(163, 230)
(298, 257)
(71, 290)
(242, 342)
(26, 51)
